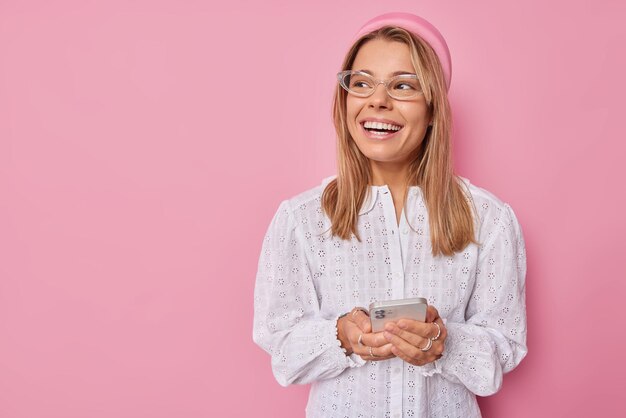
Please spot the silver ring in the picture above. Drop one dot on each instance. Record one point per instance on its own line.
(371, 353)
(438, 332)
(361, 339)
(428, 345)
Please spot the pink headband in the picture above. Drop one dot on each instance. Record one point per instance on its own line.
(418, 26)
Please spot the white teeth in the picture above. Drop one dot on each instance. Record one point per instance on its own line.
(378, 125)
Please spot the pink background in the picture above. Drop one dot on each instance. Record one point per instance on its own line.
(145, 146)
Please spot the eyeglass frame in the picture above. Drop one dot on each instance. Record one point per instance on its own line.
(342, 75)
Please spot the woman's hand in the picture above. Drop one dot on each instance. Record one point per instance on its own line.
(409, 337)
(355, 333)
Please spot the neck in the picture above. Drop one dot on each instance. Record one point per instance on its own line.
(395, 175)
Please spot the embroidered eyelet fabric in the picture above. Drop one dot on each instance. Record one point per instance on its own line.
(306, 279)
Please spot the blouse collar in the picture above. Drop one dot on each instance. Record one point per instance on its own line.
(372, 196)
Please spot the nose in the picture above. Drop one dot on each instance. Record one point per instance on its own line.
(380, 97)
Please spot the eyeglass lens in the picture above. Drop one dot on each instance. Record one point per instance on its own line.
(401, 87)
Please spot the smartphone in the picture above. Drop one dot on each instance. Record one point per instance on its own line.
(392, 310)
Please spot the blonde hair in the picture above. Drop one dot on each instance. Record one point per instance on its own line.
(449, 207)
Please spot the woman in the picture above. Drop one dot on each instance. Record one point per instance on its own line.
(394, 223)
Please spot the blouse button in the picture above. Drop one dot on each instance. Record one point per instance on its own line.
(405, 231)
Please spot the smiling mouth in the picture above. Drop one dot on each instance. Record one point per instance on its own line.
(380, 128)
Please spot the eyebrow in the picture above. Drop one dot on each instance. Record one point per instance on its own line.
(395, 73)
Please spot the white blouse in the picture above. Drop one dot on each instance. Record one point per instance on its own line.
(306, 279)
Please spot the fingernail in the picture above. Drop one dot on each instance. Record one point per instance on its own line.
(402, 324)
(387, 335)
(389, 326)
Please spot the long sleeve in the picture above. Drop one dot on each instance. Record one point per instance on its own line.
(287, 323)
(492, 341)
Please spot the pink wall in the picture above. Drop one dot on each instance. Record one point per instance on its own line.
(145, 145)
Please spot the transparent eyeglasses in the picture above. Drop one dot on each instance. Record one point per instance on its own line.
(360, 84)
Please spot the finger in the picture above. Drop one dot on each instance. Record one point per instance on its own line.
(352, 332)
(409, 349)
(415, 343)
(361, 319)
(423, 329)
(370, 358)
(376, 339)
(384, 350)
(431, 314)
(377, 353)
(415, 355)
(410, 337)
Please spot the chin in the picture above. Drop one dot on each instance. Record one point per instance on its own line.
(382, 158)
